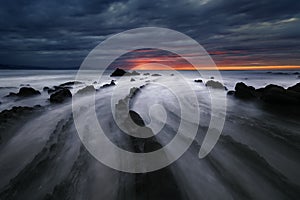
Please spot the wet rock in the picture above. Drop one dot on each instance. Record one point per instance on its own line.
(295, 88)
(118, 72)
(146, 74)
(134, 73)
(198, 81)
(243, 91)
(212, 77)
(132, 79)
(25, 92)
(60, 96)
(156, 75)
(275, 94)
(46, 88)
(171, 74)
(95, 82)
(112, 83)
(70, 83)
(271, 94)
(87, 89)
(231, 92)
(136, 118)
(215, 85)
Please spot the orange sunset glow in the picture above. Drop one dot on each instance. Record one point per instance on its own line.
(163, 64)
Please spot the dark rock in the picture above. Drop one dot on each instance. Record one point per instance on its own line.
(95, 82)
(118, 72)
(136, 118)
(231, 92)
(296, 73)
(60, 96)
(243, 91)
(46, 88)
(271, 94)
(112, 83)
(70, 83)
(132, 79)
(295, 88)
(212, 77)
(25, 92)
(156, 75)
(274, 94)
(134, 73)
(198, 81)
(171, 74)
(87, 89)
(55, 89)
(146, 74)
(215, 84)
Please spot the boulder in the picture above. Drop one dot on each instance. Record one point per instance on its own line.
(25, 92)
(275, 94)
(231, 92)
(155, 75)
(215, 85)
(133, 73)
(60, 96)
(136, 118)
(244, 91)
(295, 88)
(87, 89)
(46, 88)
(146, 74)
(198, 81)
(112, 83)
(70, 83)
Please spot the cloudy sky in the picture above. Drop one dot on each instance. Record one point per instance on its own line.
(60, 33)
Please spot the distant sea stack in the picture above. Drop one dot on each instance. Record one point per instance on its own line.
(121, 72)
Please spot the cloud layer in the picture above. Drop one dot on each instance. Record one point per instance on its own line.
(60, 33)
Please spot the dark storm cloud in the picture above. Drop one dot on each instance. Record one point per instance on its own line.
(61, 33)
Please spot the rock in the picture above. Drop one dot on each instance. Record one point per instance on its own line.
(296, 73)
(134, 73)
(60, 96)
(118, 72)
(171, 74)
(231, 92)
(295, 88)
(198, 81)
(212, 77)
(156, 75)
(136, 118)
(25, 92)
(243, 91)
(121, 72)
(87, 89)
(95, 82)
(146, 74)
(271, 94)
(70, 83)
(215, 84)
(275, 94)
(132, 79)
(112, 83)
(46, 88)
